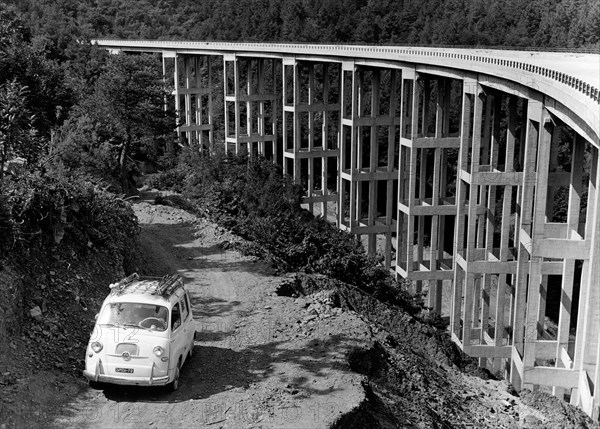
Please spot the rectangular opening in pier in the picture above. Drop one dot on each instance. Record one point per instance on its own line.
(317, 129)
(230, 89)
(288, 80)
(348, 94)
(332, 120)
(317, 180)
(332, 173)
(289, 130)
(407, 108)
(347, 142)
(304, 129)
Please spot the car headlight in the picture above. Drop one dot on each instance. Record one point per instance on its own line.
(96, 346)
(158, 351)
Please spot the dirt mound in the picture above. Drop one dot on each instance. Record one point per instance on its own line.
(371, 413)
(409, 331)
(547, 411)
(416, 377)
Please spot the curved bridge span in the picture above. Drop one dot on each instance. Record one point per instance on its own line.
(474, 172)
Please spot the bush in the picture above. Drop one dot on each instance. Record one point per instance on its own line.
(44, 212)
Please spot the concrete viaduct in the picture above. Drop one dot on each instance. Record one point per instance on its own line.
(474, 172)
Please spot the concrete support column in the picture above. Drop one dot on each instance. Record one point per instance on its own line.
(523, 333)
(193, 101)
(347, 210)
(535, 290)
(373, 129)
(251, 97)
(564, 347)
(502, 283)
(587, 346)
(427, 196)
(461, 313)
(311, 125)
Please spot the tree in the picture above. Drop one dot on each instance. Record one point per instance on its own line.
(127, 110)
(16, 132)
(27, 64)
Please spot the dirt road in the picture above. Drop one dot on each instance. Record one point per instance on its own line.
(264, 360)
(260, 360)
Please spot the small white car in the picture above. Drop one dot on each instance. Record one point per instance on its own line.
(144, 333)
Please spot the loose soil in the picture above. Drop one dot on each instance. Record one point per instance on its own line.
(275, 352)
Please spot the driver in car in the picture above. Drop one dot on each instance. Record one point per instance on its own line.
(160, 317)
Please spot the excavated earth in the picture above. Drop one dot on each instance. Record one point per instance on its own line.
(297, 351)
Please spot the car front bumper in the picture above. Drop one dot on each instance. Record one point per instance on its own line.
(131, 381)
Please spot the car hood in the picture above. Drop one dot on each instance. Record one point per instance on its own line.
(111, 336)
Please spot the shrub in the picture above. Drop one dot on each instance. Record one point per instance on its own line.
(45, 212)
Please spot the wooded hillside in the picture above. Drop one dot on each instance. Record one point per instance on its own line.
(520, 23)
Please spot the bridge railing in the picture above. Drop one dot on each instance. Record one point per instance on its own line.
(587, 89)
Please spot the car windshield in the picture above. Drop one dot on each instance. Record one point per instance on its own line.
(147, 316)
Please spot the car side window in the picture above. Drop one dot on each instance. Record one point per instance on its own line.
(184, 308)
(175, 317)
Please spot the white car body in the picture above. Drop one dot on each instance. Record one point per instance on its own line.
(143, 335)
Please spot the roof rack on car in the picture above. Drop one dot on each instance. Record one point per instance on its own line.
(168, 284)
(121, 285)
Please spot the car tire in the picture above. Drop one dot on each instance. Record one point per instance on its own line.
(174, 385)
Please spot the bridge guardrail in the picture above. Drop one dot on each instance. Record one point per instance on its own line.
(585, 88)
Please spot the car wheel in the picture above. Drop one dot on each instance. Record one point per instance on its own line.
(174, 385)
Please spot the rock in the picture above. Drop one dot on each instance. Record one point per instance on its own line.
(36, 313)
(313, 312)
(310, 318)
(302, 303)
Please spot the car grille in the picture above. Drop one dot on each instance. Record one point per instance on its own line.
(132, 349)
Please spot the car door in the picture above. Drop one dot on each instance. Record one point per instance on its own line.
(178, 335)
(189, 327)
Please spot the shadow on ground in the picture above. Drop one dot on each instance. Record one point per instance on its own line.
(215, 369)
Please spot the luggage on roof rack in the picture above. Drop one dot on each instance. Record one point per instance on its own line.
(165, 285)
(122, 284)
(168, 284)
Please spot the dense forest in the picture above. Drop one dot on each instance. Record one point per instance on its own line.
(519, 23)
